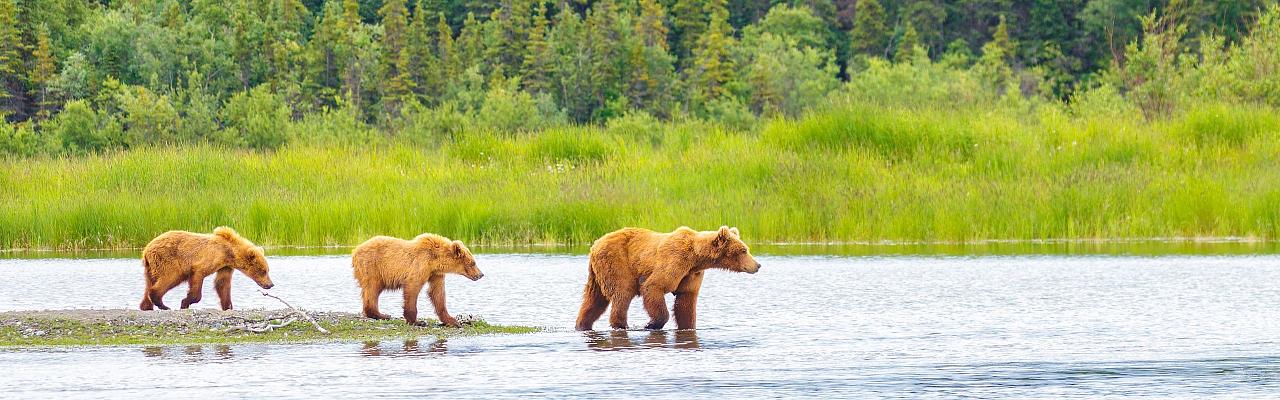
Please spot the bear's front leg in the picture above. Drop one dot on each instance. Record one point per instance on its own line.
(411, 304)
(222, 284)
(655, 305)
(686, 307)
(436, 289)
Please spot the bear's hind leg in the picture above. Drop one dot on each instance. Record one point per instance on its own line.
(593, 303)
(146, 295)
(162, 286)
(370, 295)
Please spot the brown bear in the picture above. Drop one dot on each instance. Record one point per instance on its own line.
(633, 261)
(177, 256)
(385, 263)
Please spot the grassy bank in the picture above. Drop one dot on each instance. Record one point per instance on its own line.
(853, 171)
(129, 327)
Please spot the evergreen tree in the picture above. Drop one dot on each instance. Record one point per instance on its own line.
(470, 46)
(535, 68)
(396, 85)
(423, 66)
(712, 67)
(907, 44)
(651, 25)
(605, 53)
(869, 36)
(654, 74)
(690, 21)
(446, 51)
(42, 73)
(1001, 40)
(10, 50)
(325, 53)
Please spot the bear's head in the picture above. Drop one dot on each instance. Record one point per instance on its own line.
(461, 261)
(253, 262)
(249, 258)
(724, 249)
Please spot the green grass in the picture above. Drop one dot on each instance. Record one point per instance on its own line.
(852, 172)
(67, 332)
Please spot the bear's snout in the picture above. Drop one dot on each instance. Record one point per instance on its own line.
(477, 276)
(267, 285)
(754, 269)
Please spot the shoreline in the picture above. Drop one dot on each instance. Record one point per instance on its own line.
(119, 327)
(869, 247)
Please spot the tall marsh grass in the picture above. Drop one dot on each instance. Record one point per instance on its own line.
(854, 172)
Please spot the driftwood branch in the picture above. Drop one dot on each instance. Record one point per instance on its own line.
(297, 311)
(261, 326)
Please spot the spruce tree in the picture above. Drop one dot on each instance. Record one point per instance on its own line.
(43, 71)
(396, 85)
(446, 50)
(712, 67)
(869, 35)
(534, 67)
(690, 21)
(907, 44)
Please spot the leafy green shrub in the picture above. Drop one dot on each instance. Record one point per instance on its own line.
(638, 126)
(512, 111)
(79, 129)
(147, 118)
(731, 112)
(255, 119)
(340, 126)
(431, 126)
(786, 77)
(18, 139)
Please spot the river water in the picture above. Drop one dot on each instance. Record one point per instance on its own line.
(981, 327)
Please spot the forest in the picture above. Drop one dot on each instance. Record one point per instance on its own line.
(520, 121)
(82, 76)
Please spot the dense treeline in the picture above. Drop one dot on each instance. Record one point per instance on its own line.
(79, 76)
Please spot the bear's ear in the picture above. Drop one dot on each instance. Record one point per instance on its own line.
(457, 247)
(723, 236)
(735, 231)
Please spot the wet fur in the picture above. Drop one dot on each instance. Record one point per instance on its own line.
(385, 263)
(175, 257)
(638, 262)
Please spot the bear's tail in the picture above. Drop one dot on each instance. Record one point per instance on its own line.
(593, 302)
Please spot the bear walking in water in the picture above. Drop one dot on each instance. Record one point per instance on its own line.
(634, 262)
(385, 263)
(177, 256)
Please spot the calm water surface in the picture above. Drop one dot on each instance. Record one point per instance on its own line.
(984, 327)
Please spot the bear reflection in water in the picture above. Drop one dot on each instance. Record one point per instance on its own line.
(618, 339)
(411, 348)
(190, 353)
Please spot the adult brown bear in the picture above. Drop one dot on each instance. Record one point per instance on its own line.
(178, 256)
(638, 262)
(385, 263)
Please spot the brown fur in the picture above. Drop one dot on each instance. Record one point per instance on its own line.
(386, 263)
(177, 256)
(638, 262)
